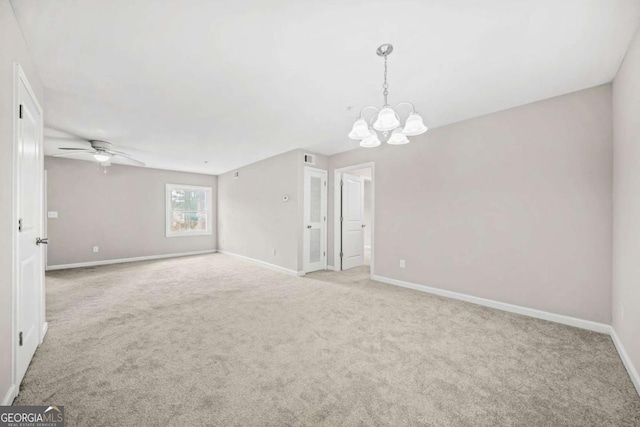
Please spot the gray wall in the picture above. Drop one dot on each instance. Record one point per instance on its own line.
(122, 212)
(514, 206)
(252, 218)
(12, 49)
(626, 203)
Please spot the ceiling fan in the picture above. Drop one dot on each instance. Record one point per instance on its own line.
(102, 151)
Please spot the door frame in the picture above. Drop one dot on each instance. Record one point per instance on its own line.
(325, 213)
(19, 77)
(337, 202)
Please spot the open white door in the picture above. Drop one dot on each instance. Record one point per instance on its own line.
(352, 221)
(29, 315)
(315, 220)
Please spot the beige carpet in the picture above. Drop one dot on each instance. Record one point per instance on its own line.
(212, 340)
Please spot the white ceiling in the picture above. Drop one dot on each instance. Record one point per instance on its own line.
(178, 83)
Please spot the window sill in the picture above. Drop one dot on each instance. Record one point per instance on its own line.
(190, 234)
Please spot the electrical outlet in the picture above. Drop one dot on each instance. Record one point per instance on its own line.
(96, 249)
(52, 214)
(402, 264)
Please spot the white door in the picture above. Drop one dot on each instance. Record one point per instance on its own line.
(30, 268)
(315, 220)
(352, 221)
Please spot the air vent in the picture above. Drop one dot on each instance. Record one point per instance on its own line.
(236, 175)
(310, 159)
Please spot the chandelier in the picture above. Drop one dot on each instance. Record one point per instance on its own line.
(385, 122)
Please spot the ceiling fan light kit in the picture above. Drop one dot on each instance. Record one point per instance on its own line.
(386, 119)
(101, 157)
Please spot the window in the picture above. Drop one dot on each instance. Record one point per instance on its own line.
(188, 210)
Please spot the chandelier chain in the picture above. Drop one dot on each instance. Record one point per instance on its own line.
(385, 85)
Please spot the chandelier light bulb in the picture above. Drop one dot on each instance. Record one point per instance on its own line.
(360, 130)
(414, 125)
(371, 141)
(398, 138)
(387, 120)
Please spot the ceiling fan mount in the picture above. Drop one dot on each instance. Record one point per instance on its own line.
(100, 145)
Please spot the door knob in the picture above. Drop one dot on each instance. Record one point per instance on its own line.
(44, 241)
(364, 225)
(308, 226)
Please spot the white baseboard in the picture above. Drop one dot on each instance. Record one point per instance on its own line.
(8, 398)
(123, 260)
(633, 373)
(265, 264)
(531, 312)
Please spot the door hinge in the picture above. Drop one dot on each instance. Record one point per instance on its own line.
(20, 339)
(341, 254)
(325, 183)
(341, 183)
(325, 219)
(341, 219)
(20, 111)
(20, 224)
(324, 254)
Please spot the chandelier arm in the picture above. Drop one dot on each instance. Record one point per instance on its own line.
(413, 107)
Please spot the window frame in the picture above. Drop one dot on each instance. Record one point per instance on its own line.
(169, 209)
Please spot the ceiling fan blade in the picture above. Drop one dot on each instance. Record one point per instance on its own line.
(69, 148)
(120, 153)
(126, 156)
(74, 153)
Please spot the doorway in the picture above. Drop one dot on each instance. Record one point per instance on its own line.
(29, 324)
(354, 223)
(314, 239)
